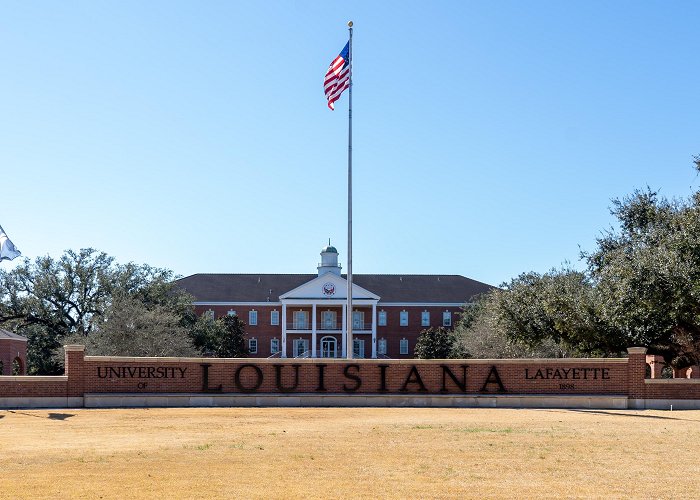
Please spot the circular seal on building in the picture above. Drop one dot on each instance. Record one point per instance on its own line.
(328, 289)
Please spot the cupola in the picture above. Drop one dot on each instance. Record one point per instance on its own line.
(329, 260)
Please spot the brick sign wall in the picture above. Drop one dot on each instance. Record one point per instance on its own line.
(87, 375)
(94, 374)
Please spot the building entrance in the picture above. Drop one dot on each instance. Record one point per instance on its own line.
(328, 347)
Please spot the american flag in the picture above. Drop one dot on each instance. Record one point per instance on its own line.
(338, 76)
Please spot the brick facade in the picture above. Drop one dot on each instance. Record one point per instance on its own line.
(13, 350)
(392, 332)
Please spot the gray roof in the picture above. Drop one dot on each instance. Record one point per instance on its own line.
(409, 288)
(4, 334)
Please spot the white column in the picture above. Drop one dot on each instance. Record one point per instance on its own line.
(284, 330)
(345, 331)
(374, 330)
(313, 330)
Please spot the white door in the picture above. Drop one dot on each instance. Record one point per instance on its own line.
(358, 348)
(301, 320)
(358, 320)
(328, 347)
(301, 346)
(328, 320)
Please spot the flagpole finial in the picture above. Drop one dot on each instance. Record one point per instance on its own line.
(349, 24)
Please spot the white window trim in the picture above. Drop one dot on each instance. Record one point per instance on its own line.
(274, 314)
(358, 320)
(304, 343)
(360, 343)
(209, 313)
(231, 312)
(300, 319)
(403, 342)
(447, 315)
(274, 349)
(329, 320)
(252, 317)
(403, 314)
(253, 345)
(381, 318)
(381, 346)
(425, 318)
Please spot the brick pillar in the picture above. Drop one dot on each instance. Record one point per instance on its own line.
(636, 366)
(657, 364)
(22, 353)
(75, 370)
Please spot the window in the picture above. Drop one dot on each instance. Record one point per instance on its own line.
(447, 318)
(425, 318)
(274, 346)
(301, 320)
(358, 348)
(328, 321)
(381, 346)
(231, 312)
(403, 346)
(274, 318)
(253, 346)
(301, 347)
(209, 314)
(381, 321)
(403, 318)
(253, 317)
(358, 320)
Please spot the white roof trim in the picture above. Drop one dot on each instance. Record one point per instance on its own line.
(331, 301)
(356, 289)
(256, 304)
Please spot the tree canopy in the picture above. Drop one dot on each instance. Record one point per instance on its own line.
(82, 293)
(222, 338)
(647, 275)
(436, 343)
(641, 287)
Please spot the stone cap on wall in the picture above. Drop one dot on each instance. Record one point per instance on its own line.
(375, 361)
(74, 348)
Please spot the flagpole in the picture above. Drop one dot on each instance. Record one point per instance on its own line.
(349, 346)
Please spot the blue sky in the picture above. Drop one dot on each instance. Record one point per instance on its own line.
(489, 137)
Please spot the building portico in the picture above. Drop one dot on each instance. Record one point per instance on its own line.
(319, 309)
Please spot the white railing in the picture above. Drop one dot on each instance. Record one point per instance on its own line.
(299, 325)
(329, 327)
(307, 354)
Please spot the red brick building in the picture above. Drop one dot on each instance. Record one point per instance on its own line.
(13, 353)
(304, 315)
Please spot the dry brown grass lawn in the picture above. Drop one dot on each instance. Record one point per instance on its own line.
(343, 453)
